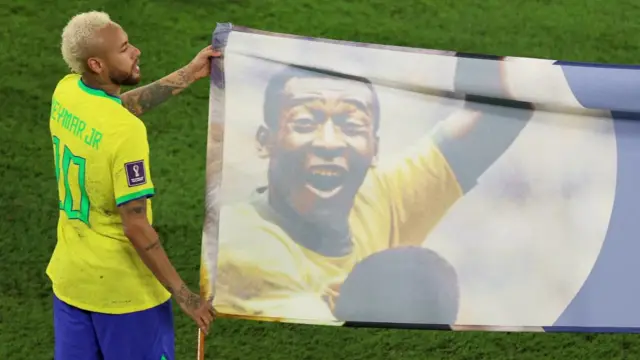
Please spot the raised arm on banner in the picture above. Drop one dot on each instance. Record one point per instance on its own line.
(140, 100)
(473, 138)
(445, 165)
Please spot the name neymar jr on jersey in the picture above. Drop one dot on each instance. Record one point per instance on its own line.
(75, 125)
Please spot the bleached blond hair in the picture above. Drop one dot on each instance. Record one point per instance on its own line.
(78, 36)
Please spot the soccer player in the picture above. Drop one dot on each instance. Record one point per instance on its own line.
(112, 280)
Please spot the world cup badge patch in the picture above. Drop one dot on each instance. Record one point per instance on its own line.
(135, 173)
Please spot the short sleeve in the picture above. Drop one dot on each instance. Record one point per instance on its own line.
(131, 171)
(421, 188)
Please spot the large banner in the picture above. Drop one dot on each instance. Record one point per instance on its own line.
(361, 184)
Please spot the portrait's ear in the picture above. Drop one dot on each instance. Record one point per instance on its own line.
(263, 142)
(376, 148)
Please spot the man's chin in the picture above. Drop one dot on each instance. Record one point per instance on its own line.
(324, 194)
(320, 205)
(131, 80)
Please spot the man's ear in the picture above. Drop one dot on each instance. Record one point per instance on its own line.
(94, 65)
(263, 142)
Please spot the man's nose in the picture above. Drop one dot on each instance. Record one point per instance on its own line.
(329, 136)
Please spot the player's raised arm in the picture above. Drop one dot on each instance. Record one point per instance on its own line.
(140, 100)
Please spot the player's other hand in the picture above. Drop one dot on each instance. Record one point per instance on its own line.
(198, 308)
(200, 66)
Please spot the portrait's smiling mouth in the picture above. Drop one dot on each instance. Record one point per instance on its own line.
(325, 180)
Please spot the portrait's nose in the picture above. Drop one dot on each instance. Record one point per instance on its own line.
(329, 136)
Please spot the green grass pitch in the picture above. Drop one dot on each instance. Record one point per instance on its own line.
(169, 33)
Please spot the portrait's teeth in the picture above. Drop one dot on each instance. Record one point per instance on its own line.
(325, 173)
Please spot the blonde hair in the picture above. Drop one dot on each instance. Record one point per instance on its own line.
(77, 37)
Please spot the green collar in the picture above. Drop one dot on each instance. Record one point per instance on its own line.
(97, 92)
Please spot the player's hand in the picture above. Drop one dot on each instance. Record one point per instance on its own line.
(200, 66)
(199, 309)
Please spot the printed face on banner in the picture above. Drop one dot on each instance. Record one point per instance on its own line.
(384, 201)
(320, 143)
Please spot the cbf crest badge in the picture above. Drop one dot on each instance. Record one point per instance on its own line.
(135, 173)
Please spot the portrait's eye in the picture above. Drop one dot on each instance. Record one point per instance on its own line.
(349, 125)
(304, 124)
(352, 129)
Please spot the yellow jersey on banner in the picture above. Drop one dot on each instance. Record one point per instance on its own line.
(263, 273)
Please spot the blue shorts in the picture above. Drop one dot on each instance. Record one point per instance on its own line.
(86, 335)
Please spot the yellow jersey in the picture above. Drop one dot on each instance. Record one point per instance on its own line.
(101, 157)
(263, 273)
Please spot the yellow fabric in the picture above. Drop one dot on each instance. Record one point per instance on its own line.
(262, 272)
(94, 266)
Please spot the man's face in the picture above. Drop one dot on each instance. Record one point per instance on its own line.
(324, 144)
(117, 58)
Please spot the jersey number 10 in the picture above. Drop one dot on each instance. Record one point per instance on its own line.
(65, 203)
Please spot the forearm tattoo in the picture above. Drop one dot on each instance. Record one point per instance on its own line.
(156, 244)
(140, 100)
(139, 207)
(185, 297)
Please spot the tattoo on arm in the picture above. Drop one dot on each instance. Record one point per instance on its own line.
(156, 244)
(140, 100)
(137, 208)
(185, 297)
